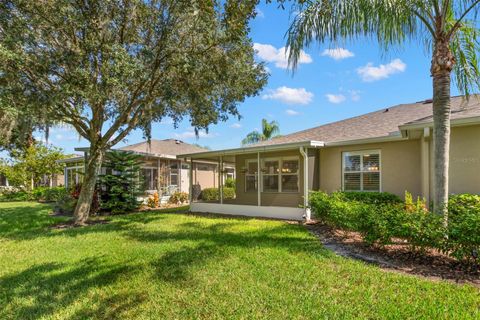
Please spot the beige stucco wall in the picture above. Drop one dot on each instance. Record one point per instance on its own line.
(400, 166)
(464, 160)
(267, 198)
(206, 179)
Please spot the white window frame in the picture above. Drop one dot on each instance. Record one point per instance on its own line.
(361, 154)
(76, 169)
(174, 174)
(257, 181)
(280, 174)
(152, 179)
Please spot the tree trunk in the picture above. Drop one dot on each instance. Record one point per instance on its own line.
(92, 168)
(442, 65)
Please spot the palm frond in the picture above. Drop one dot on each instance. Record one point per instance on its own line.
(390, 22)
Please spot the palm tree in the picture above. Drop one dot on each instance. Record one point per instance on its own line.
(269, 130)
(446, 27)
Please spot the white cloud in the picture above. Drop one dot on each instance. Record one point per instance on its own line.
(338, 53)
(354, 95)
(290, 95)
(260, 13)
(370, 73)
(269, 53)
(291, 112)
(335, 98)
(190, 133)
(236, 126)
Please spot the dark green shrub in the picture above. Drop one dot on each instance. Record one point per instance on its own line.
(463, 232)
(230, 183)
(213, 194)
(54, 194)
(38, 193)
(380, 222)
(16, 195)
(371, 197)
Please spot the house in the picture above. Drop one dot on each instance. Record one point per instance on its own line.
(387, 150)
(161, 170)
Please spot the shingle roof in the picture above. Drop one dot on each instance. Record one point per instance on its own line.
(167, 147)
(381, 123)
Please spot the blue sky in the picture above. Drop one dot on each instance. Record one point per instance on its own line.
(332, 83)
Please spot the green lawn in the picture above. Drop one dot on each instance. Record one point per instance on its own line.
(179, 266)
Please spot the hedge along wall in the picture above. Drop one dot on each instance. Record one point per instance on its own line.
(379, 217)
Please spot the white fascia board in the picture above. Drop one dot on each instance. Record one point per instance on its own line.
(367, 140)
(247, 150)
(153, 155)
(453, 123)
(68, 160)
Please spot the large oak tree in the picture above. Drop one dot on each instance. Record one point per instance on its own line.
(107, 67)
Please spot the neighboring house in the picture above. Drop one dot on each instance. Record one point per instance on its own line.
(387, 150)
(161, 170)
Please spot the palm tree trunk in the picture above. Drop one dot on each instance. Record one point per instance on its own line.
(442, 64)
(92, 168)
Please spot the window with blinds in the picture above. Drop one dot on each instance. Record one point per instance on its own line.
(361, 171)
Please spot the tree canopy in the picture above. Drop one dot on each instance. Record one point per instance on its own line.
(27, 168)
(107, 67)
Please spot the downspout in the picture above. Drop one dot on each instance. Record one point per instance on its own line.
(307, 214)
(259, 194)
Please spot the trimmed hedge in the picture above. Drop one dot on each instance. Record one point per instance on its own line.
(213, 194)
(44, 194)
(381, 217)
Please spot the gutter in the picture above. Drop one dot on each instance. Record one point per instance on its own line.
(453, 123)
(247, 150)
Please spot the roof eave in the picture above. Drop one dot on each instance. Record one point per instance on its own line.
(398, 137)
(153, 155)
(454, 123)
(254, 149)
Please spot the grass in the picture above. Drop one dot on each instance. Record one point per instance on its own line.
(158, 265)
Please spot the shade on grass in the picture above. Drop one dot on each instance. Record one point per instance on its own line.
(163, 266)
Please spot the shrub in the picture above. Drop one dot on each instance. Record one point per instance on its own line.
(213, 194)
(379, 222)
(463, 232)
(230, 183)
(370, 197)
(153, 201)
(54, 194)
(178, 197)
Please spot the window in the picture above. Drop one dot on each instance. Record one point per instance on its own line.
(150, 178)
(270, 175)
(73, 175)
(289, 175)
(174, 173)
(251, 179)
(361, 171)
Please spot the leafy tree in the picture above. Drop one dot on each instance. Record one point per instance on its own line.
(27, 168)
(447, 28)
(270, 130)
(121, 185)
(107, 67)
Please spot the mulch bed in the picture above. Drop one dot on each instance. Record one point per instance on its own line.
(397, 257)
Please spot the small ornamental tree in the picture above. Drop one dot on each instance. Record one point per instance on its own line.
(107, 67)
(121, 184)
(28, 167)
